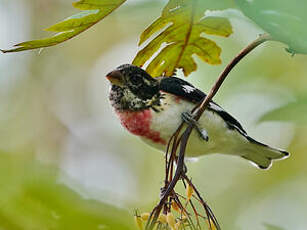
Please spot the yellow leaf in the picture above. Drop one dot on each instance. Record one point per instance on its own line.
(175, 206)
(211, 225)
(162, 218)
(189, 191)
(183, 23)
(177, 225)
(138, 222)
(171, 220)
(145, 216)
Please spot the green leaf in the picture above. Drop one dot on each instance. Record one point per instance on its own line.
(294, 112)
(183, 23)
(93, 12)
(285, 21)
(31, 197)
(272, 227)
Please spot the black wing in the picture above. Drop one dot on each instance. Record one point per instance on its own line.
(188, 92)
(181, 88)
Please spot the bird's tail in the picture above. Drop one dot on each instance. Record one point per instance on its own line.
(263, 155)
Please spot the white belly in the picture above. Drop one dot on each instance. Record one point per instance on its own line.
(221, 138)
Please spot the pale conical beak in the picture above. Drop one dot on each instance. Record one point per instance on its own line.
(115, 77)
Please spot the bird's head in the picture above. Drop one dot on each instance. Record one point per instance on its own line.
(132, 88)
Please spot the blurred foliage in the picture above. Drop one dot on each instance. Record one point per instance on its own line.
(284, 20)
(31, 198)
(294, 111)
(183, 23)
(272, 227)
(55, 105)
(93, 12)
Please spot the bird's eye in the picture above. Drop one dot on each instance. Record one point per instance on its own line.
(135, 80)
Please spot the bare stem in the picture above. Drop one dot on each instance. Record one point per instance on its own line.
(262, 38)
(182, 142)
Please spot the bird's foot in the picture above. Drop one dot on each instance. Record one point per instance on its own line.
(188, 118)
(162, 192)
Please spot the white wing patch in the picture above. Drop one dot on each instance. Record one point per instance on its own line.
(215, 107)
(188, 88)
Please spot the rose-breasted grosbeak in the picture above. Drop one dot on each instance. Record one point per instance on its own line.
(153, 108)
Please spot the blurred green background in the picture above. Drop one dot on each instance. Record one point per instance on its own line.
(65, 161)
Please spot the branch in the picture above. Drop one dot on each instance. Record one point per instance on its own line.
(262, 38)
(197, 112)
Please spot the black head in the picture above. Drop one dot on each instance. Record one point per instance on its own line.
(132, 87)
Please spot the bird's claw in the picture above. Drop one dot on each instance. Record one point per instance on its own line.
(162, 192)
(188, 118)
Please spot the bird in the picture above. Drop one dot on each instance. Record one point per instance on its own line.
(153, 108)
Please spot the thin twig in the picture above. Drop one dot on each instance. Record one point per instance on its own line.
(262, 38)
(208, 210)
(197, 112)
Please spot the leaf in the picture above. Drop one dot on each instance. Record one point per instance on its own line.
(93, 12)
(31, 197)
(272, 227)
(284, 20)
(182, 23)
(294, 111)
